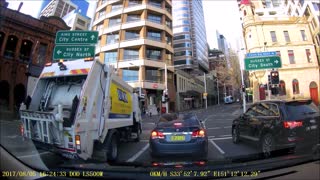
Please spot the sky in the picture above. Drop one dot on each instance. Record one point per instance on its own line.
(221, 15)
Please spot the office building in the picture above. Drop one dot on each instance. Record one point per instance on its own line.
(190, 40)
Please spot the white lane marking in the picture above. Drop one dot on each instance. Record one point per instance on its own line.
(215, 128)
(144, 140)
(134, 157)
(227, 135)
(222, 138)
(31, 155)
(219, 149)
(227, 127)
(12, 137)
(210, 137)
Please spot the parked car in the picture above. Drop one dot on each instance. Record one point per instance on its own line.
(279, 124)
(228, 100)
(179, 134)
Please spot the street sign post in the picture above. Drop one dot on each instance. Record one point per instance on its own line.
(268, 62)
(76, 37)
(73, 52)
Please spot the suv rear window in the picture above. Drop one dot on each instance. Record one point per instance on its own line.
(299, 109)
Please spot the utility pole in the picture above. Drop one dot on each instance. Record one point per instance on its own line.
(218, 91)
(205, 90)
(166, 83)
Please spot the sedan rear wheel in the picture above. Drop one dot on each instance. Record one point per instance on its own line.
(267, 145)
(235, 135)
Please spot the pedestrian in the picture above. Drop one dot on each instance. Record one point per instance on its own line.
(158, 109)
(150, 113)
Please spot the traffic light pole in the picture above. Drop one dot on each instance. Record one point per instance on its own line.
(268, 89)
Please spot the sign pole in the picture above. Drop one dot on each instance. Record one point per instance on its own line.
(268, 89)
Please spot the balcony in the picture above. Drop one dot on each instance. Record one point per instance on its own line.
(106, 3)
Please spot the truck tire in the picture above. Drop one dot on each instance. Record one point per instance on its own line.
(138, 130)
(112, 149)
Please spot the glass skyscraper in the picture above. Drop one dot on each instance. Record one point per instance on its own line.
(190, 40)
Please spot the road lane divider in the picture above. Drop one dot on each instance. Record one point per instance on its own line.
(217, 147)
(218, 138)
(226, 127)
(134, 157)
(215, 128)
(32, 155)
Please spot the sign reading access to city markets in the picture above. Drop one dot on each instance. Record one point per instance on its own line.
(73, 52)
(262, 60)
(76, 37)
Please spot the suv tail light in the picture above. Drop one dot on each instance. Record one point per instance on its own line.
(292, 124)
(198, 133)
(157, 135)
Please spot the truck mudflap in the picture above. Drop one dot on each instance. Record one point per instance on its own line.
(42, 127)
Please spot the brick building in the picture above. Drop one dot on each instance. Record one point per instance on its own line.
(26, 45)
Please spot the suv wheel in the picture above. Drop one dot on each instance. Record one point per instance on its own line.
(267, 145)
(235, 135)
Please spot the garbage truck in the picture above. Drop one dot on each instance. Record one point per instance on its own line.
(81, 109)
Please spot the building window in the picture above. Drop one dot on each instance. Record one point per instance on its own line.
(153, 75)
(273, 36)
(291, 56)
(102, 13)
(153, 54)
(183, 53)
(132, 35)
(114, 21)
(303, 35)
(155, 3)
(169, 40)
(308, 54)
(42, 54)
(180, 45)
(133, 17)
(130, 75)
(81, 22)
(154, 18)
(116, 7)
(154, 35)
(169, 24)
(112, 38)
(278, 53)
(134, 2)
(131, 54)
(184, 36)
(286, 36)
(295, 86)
(110, 57)
(282, 88)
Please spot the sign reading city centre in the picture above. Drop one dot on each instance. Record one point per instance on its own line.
(262, 60)
(75, 44)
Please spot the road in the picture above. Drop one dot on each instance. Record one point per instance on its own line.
(217, 120)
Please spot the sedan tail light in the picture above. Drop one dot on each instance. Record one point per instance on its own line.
(22, 130)
(157, 135)
(292, 124)
(198, 133)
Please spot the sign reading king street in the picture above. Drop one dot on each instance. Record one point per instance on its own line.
(76, 37)
(256, 63)
(73, 52)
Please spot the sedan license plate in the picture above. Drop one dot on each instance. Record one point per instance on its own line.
(177, 138)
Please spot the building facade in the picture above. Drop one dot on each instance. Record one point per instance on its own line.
(189, 91)
(190, 40)
(26, 45)
(136, 37)
(77, 21)
(291, 38)
(63, 6)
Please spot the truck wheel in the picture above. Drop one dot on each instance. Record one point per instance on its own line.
(112, 153)
(137, 139)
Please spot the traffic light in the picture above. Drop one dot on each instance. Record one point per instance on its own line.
(269, 79)
(274, 77)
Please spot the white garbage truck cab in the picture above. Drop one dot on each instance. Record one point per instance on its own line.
(81, 109)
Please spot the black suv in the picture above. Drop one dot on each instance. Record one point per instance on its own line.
(279, 124)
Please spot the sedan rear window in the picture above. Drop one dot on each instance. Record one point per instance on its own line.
(186, 119)
(299, 109)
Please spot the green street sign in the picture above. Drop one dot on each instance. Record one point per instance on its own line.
(76, 37)
(73, 52)
(269, 62)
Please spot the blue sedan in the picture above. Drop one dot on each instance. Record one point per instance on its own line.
(179, 134)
